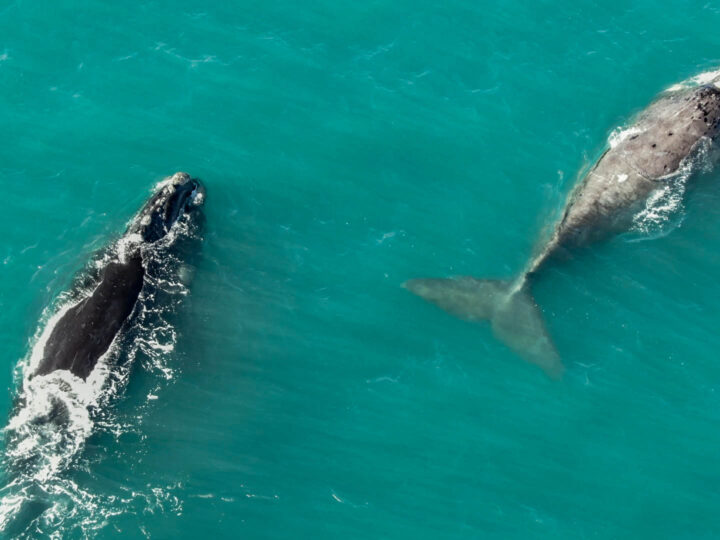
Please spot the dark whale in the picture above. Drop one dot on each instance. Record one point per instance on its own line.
(664, 142)
(116, 309)
(86, 330)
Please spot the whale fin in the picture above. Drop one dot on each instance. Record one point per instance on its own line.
(515, 318)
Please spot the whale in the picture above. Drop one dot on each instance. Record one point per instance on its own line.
(86, 330)
(117, 305)
(673, 138)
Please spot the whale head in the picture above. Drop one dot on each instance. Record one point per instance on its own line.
(177, 195)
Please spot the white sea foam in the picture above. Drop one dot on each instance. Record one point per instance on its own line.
(126, 245)
(663, 209)
(707, 77)
(620, 134)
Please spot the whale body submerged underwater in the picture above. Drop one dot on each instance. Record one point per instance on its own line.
(669, 140)
(118, 307)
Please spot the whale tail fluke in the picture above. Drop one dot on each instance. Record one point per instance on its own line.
(514, 316)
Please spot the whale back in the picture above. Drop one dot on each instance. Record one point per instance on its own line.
(658, 147)
(669, 130)
(84, 333)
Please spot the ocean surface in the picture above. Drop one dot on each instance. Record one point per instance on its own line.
(296, 389)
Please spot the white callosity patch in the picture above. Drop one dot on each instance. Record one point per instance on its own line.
(56, 413)
(197, 197)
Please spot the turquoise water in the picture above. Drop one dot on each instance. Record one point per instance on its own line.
(347, 147)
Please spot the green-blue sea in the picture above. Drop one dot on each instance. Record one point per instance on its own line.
(347, 147)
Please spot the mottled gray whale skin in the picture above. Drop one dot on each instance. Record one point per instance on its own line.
(663, 142)
(664, 136)
(86, 330)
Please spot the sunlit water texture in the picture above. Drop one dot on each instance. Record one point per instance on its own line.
(285, 385)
